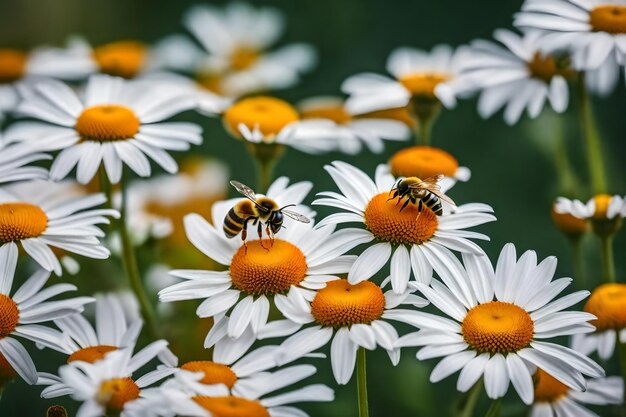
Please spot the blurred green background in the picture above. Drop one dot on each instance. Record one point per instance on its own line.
(512, 167)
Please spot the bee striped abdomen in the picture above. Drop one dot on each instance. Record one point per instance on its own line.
(233, 224)
(433, 202)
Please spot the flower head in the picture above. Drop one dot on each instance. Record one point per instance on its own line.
(426, 162)
(603, 211)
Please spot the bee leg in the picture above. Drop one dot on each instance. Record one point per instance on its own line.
(269, 235)
(395, 194)
(406, 203)
(420, 207)
(259, 230)
(244, 235)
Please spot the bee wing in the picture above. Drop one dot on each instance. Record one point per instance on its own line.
(296, 216)
(245, 190)
(442, 196)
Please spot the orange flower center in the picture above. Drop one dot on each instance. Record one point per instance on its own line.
(400, 114)
(568, 224)
(422, 84)
(19, 221)
(232, 406)
(105, 123)
(602, 206)
(497, 327)
(12, 65)
(422, 162)
(609, 18)
(91, 354)
(385, 220)
(270, 270)
(335, 113)
(547, 388)
(7, 372)
(123, 59)
(545, 67)
(343, 304)
(608, 303)
(211, 82)
(270, 115)
(243, 58)
(114, 393)
(214, 373)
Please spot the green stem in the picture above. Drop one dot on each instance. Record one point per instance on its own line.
(622, 363)
(423, 130)
(265, 173)
(567, 179)
(494, 410)
(105, 186)
(132, 270)
(608, 264)
(592, 140)
(362, 382)
(579, 260)
(468, 402)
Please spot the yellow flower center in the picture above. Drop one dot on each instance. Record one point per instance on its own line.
(422, 84)
(9, 316)
(214, 373)
(105, 123)
(568, 224)
(19, 221)
(343, 304)
(270, 270)
(545, 67)
(609, 18)
(422, 162)
(12, 65)
(608, 303)
(7, 372)
(400, 114)
(123, 59)
(547, 388)
(497, 327)
(243, 58)
(602, 206)
(269, 114)
(231, 406)
(336, 113)
(114, 393)
(385, 220)
(91, 354)
(211, 82)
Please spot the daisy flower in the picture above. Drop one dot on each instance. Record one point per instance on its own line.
(497, 323)
(40, 216)
(106, 386)
(425, 162)
(412, 242)
(600, 207)
(14, 160)
(18, 69)
(23, 312)
(418, 76)
(553, 398)
(301, 258)
(357, 130)
(154, 214)
(116, 122)
(516, 75)
(267, 120)
(353, 316)
(594, 31)
(233, 57)
(607, 303)
(184, 396)
(567, 223)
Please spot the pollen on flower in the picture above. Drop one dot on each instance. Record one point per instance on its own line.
(270, 270)
(545, 67)
(608, 18)
(20, 221)
(7, 372)
(570, 225)
(243, 58)
(547, 388)
(422, 162)
(497, 327)
(214, 373)
(608, 303)
(123, 59)
(343, 304)
(91, 354)
(231, 406)
(12, 65)
(270, 115)
(336, 113)
(114, 393)
(105, 123)
(422, 84)
(385, 220)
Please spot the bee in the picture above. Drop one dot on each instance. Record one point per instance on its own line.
(260, 211)
(420, 192)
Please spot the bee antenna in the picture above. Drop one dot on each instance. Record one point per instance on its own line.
(288, 205)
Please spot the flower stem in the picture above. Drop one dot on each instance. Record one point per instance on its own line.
(105, 187)
(423, 130)
(362, 382)
(265, 173)
(608, 264)
(132, 270)
(567, 179)
(592, 140)
(467, 404)
(494, 410)
(579, 260)
(622, 363)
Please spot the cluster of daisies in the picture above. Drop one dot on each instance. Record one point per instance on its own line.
(81, 118)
